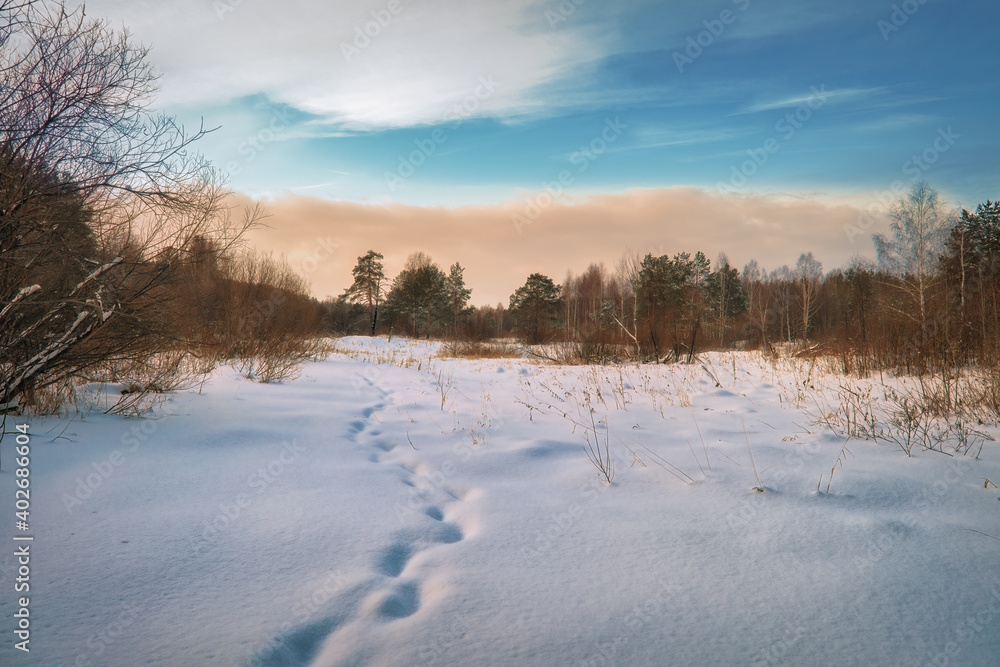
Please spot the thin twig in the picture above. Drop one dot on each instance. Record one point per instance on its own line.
(696, 459)
(759, 487)
(982, 533)
(703, 445)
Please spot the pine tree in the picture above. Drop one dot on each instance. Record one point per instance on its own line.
(419, 292)
(662, 290)
(534, 306)
(456, 292)
(367, 287)
(984, 228)
(971, 262)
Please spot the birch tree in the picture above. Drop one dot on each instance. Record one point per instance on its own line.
(919, 228)
(808, 274)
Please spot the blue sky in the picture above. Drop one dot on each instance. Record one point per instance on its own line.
(831, 102)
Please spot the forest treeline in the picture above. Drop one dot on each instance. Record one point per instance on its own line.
(930, 300)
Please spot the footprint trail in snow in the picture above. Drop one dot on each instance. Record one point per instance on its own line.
(398, 590)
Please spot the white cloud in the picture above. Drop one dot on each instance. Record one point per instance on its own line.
(427, 57)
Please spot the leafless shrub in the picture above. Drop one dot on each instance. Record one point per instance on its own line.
(267, 323)
(276, 360)
(967, 438)
(51, 400)
(581, 353)
(934, 415)
(322, 348)
(979, 398)
(444, 384)
(857, 414)
(147, 381)
(599, 452)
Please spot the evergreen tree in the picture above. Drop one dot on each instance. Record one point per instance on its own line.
(534, 306)
(456, 292)
(420, 293)
(367, 288)
(970, 266)
(661, 284)
(660, 289)
(984, 229)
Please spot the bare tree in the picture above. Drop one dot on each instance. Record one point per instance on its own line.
(267, 318)
(629, 270)
(75, 101)
(758, 302)
(100, 200)
(809, 274)
(919, 229)
(781, 285)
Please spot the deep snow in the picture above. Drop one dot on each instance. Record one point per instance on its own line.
(393, 508)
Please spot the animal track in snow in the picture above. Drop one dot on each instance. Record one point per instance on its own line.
(393, 560)
(401, 585)
(399, 602)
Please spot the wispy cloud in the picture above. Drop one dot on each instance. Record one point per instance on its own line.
(317, 186)
(894, 122)
(835, 95)
(652, 138)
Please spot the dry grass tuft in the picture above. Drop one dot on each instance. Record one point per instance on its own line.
(498, 349)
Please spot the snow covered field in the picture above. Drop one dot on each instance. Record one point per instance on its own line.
(390, 507)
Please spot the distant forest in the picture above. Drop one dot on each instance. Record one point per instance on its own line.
(930, 301)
